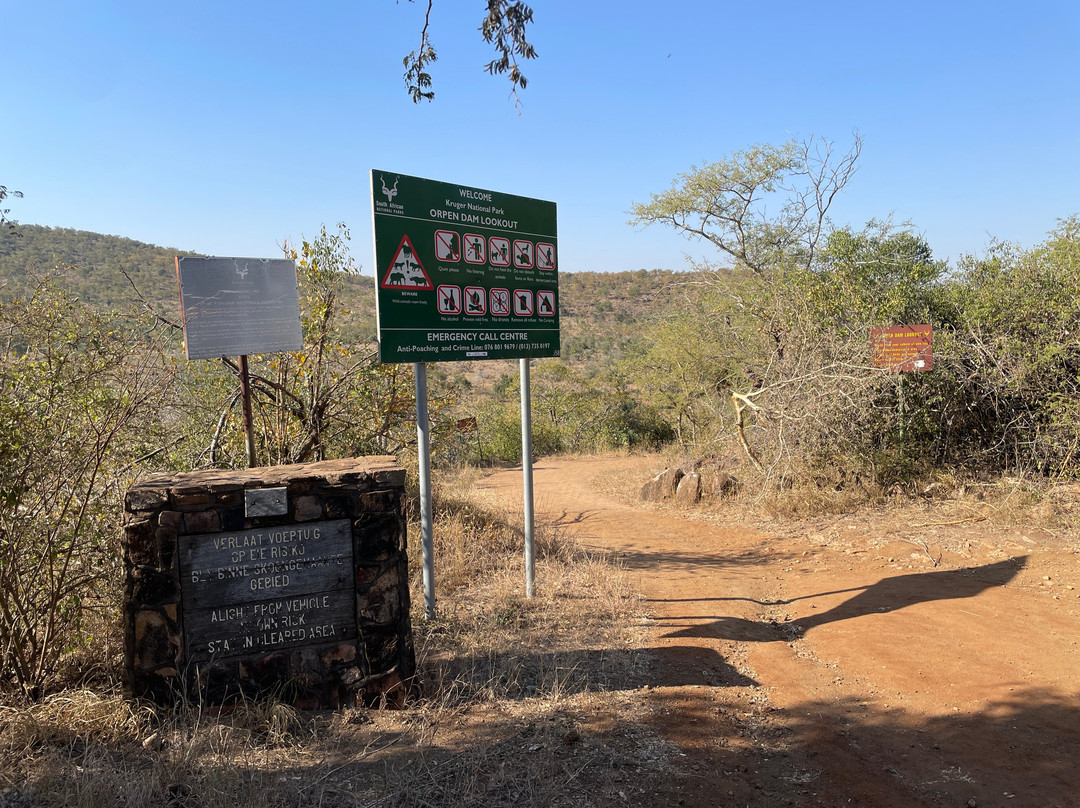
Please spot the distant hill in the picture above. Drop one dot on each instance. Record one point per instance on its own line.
(112, 271)
(602, 313)
(93, 265)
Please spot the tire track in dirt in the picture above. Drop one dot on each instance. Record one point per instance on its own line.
(796, 672)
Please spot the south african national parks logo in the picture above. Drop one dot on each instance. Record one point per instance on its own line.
(389, 192)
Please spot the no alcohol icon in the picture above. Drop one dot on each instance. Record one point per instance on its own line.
(449, 299)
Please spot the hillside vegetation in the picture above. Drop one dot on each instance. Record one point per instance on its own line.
(758, 366)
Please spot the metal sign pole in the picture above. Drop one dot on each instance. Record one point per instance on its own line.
(423, 450)
(245, 399)
(527, 473)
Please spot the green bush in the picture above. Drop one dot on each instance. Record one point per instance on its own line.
(80, 392)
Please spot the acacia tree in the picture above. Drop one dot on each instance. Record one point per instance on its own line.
(762, 207)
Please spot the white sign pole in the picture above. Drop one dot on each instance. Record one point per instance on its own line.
(423, 450)
(527, 472)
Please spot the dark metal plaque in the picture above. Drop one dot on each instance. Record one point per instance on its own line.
(252, 591)
(266, 502)
(238, 306)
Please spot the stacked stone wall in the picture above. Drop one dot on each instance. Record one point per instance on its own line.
(290, 580)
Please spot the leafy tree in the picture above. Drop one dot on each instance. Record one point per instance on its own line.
(761, 206)
(782, 331)
(503, 27)
(77, 388)
(1013, 395)
(881, 275)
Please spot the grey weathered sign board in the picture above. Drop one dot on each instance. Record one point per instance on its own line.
(238, 306)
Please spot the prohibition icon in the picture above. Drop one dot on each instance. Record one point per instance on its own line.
(499, 251)
(545, 255)
(523, 302)
(500, 302)
(475, 249)
(545, 303)
(449, 299)
(475, 301)
(447, 246)
(523, 254)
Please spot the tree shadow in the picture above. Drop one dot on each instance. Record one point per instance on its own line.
(565, 518)
(520, 675)
(887, 595)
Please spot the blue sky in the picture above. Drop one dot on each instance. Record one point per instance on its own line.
(228, 127)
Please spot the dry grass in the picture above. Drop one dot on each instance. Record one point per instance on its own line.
(489, 642)
(521, 702)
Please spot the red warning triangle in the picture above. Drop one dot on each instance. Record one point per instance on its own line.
(405, 270)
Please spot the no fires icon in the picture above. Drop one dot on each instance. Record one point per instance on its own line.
(475, 300)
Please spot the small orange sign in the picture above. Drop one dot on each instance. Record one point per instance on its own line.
(903, 348)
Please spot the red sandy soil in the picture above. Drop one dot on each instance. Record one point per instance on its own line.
(875, 659)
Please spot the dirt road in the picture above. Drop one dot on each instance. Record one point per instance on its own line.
(859, 661)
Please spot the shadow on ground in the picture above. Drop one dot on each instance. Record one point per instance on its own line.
(887, 595)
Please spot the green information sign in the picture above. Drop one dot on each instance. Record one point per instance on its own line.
(463, 273)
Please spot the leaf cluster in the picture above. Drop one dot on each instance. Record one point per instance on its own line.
(504, 27)
(7, 223)
(760, 206)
